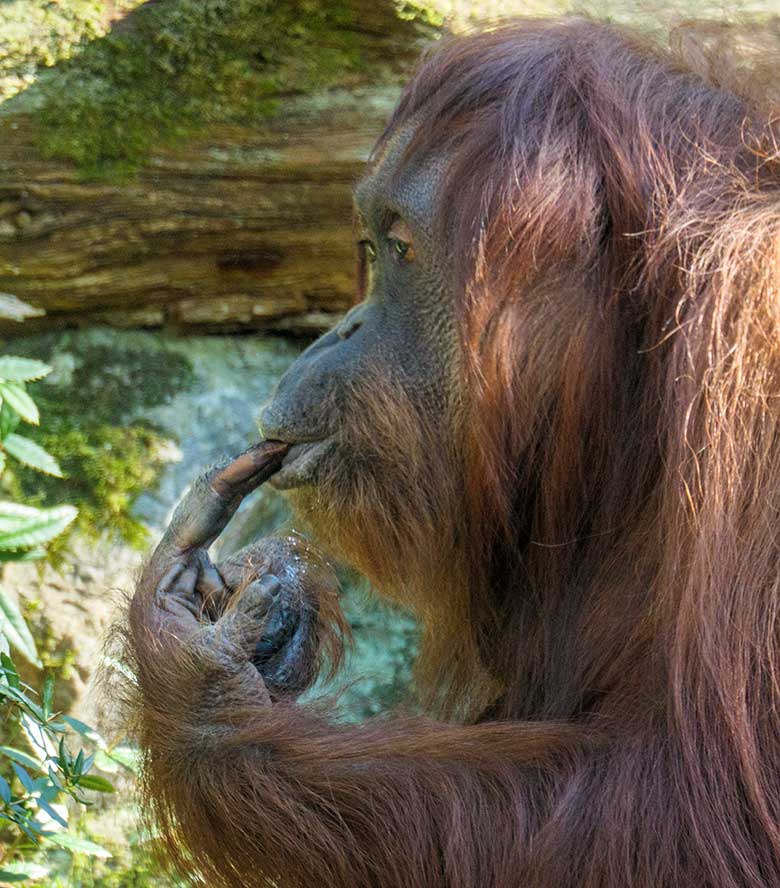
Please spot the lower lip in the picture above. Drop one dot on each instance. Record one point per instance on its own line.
(299, 464)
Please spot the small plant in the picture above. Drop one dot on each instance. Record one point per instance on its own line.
(107, 452)
(35, 782)
(24, 529)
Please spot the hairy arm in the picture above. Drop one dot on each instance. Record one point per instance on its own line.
(252, 788)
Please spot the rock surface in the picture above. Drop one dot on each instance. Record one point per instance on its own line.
(213, 415)
(240, 230)
(192, 168)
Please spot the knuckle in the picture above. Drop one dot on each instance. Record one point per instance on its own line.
(203, 483)
(268, 585)
(260, 593)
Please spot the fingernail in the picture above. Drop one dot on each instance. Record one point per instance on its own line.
(269, 584)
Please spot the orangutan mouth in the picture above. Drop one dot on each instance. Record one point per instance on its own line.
(300, 463)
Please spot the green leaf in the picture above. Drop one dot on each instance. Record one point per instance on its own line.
(44, 787)
(48, 695)
(5, 790)
(54, 777)
(14, 394)
(13, 369)
(77, 843)
(14, 628)
(54, 814)
(63, 758)
(11, 877)
(84, 730)
(23, 871)
(23, 776)
(13, 309)
(31, 454)
(16, 755)
(23, 527)
(99, 784)
(13, 515)
(31, 829)
(111, 760)
(9, 420)
(38, 736)
(9, 671)
(22, 555)
(17, 696)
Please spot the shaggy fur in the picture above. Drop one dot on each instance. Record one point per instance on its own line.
(593, 550)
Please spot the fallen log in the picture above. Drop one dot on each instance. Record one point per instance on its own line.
(236, 226)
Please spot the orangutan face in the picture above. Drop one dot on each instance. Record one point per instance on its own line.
(400, 337)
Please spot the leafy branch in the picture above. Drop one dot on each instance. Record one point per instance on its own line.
(35, 783)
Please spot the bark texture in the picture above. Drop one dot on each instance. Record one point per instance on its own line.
(236, 227)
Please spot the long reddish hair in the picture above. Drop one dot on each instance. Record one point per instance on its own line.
(615, 210)
(592, 542)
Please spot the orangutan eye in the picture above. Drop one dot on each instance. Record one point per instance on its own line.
(399, 237)
(368, 250)
(399, 248)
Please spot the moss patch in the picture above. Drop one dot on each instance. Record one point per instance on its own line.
(171, 68)
(85, 405)
(38, 33)
(420, 11)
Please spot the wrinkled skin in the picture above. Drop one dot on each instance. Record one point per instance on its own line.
(259, 605)
(405, 326)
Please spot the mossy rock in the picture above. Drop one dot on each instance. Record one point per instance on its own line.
(36, 34)
(174, 67)
(89, 407)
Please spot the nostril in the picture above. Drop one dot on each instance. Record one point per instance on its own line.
(348, 328)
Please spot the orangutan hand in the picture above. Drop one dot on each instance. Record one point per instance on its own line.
(261, 605)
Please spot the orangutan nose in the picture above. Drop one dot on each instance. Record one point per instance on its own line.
(351, 323)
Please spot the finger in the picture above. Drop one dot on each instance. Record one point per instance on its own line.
(278, 630)
(244, 566)
(169, 578)
(249, 469)
(259, 597)
(295, 668)
(211, 585)
(244, 622)
(200, 517)
(178, 597)
(182, 592)
(213, 499)
(182, 606)
(197, 521)
(210, 581)
(188, 580)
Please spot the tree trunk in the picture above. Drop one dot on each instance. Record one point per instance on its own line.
(242, 226)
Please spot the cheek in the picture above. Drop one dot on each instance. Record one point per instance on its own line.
(391, 490)
(399, 440)
(392, 494)
(420, 344)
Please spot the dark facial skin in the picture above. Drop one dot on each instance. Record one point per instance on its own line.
(402, 332)
(404, 329)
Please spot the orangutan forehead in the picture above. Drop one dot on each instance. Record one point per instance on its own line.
(393, 186)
